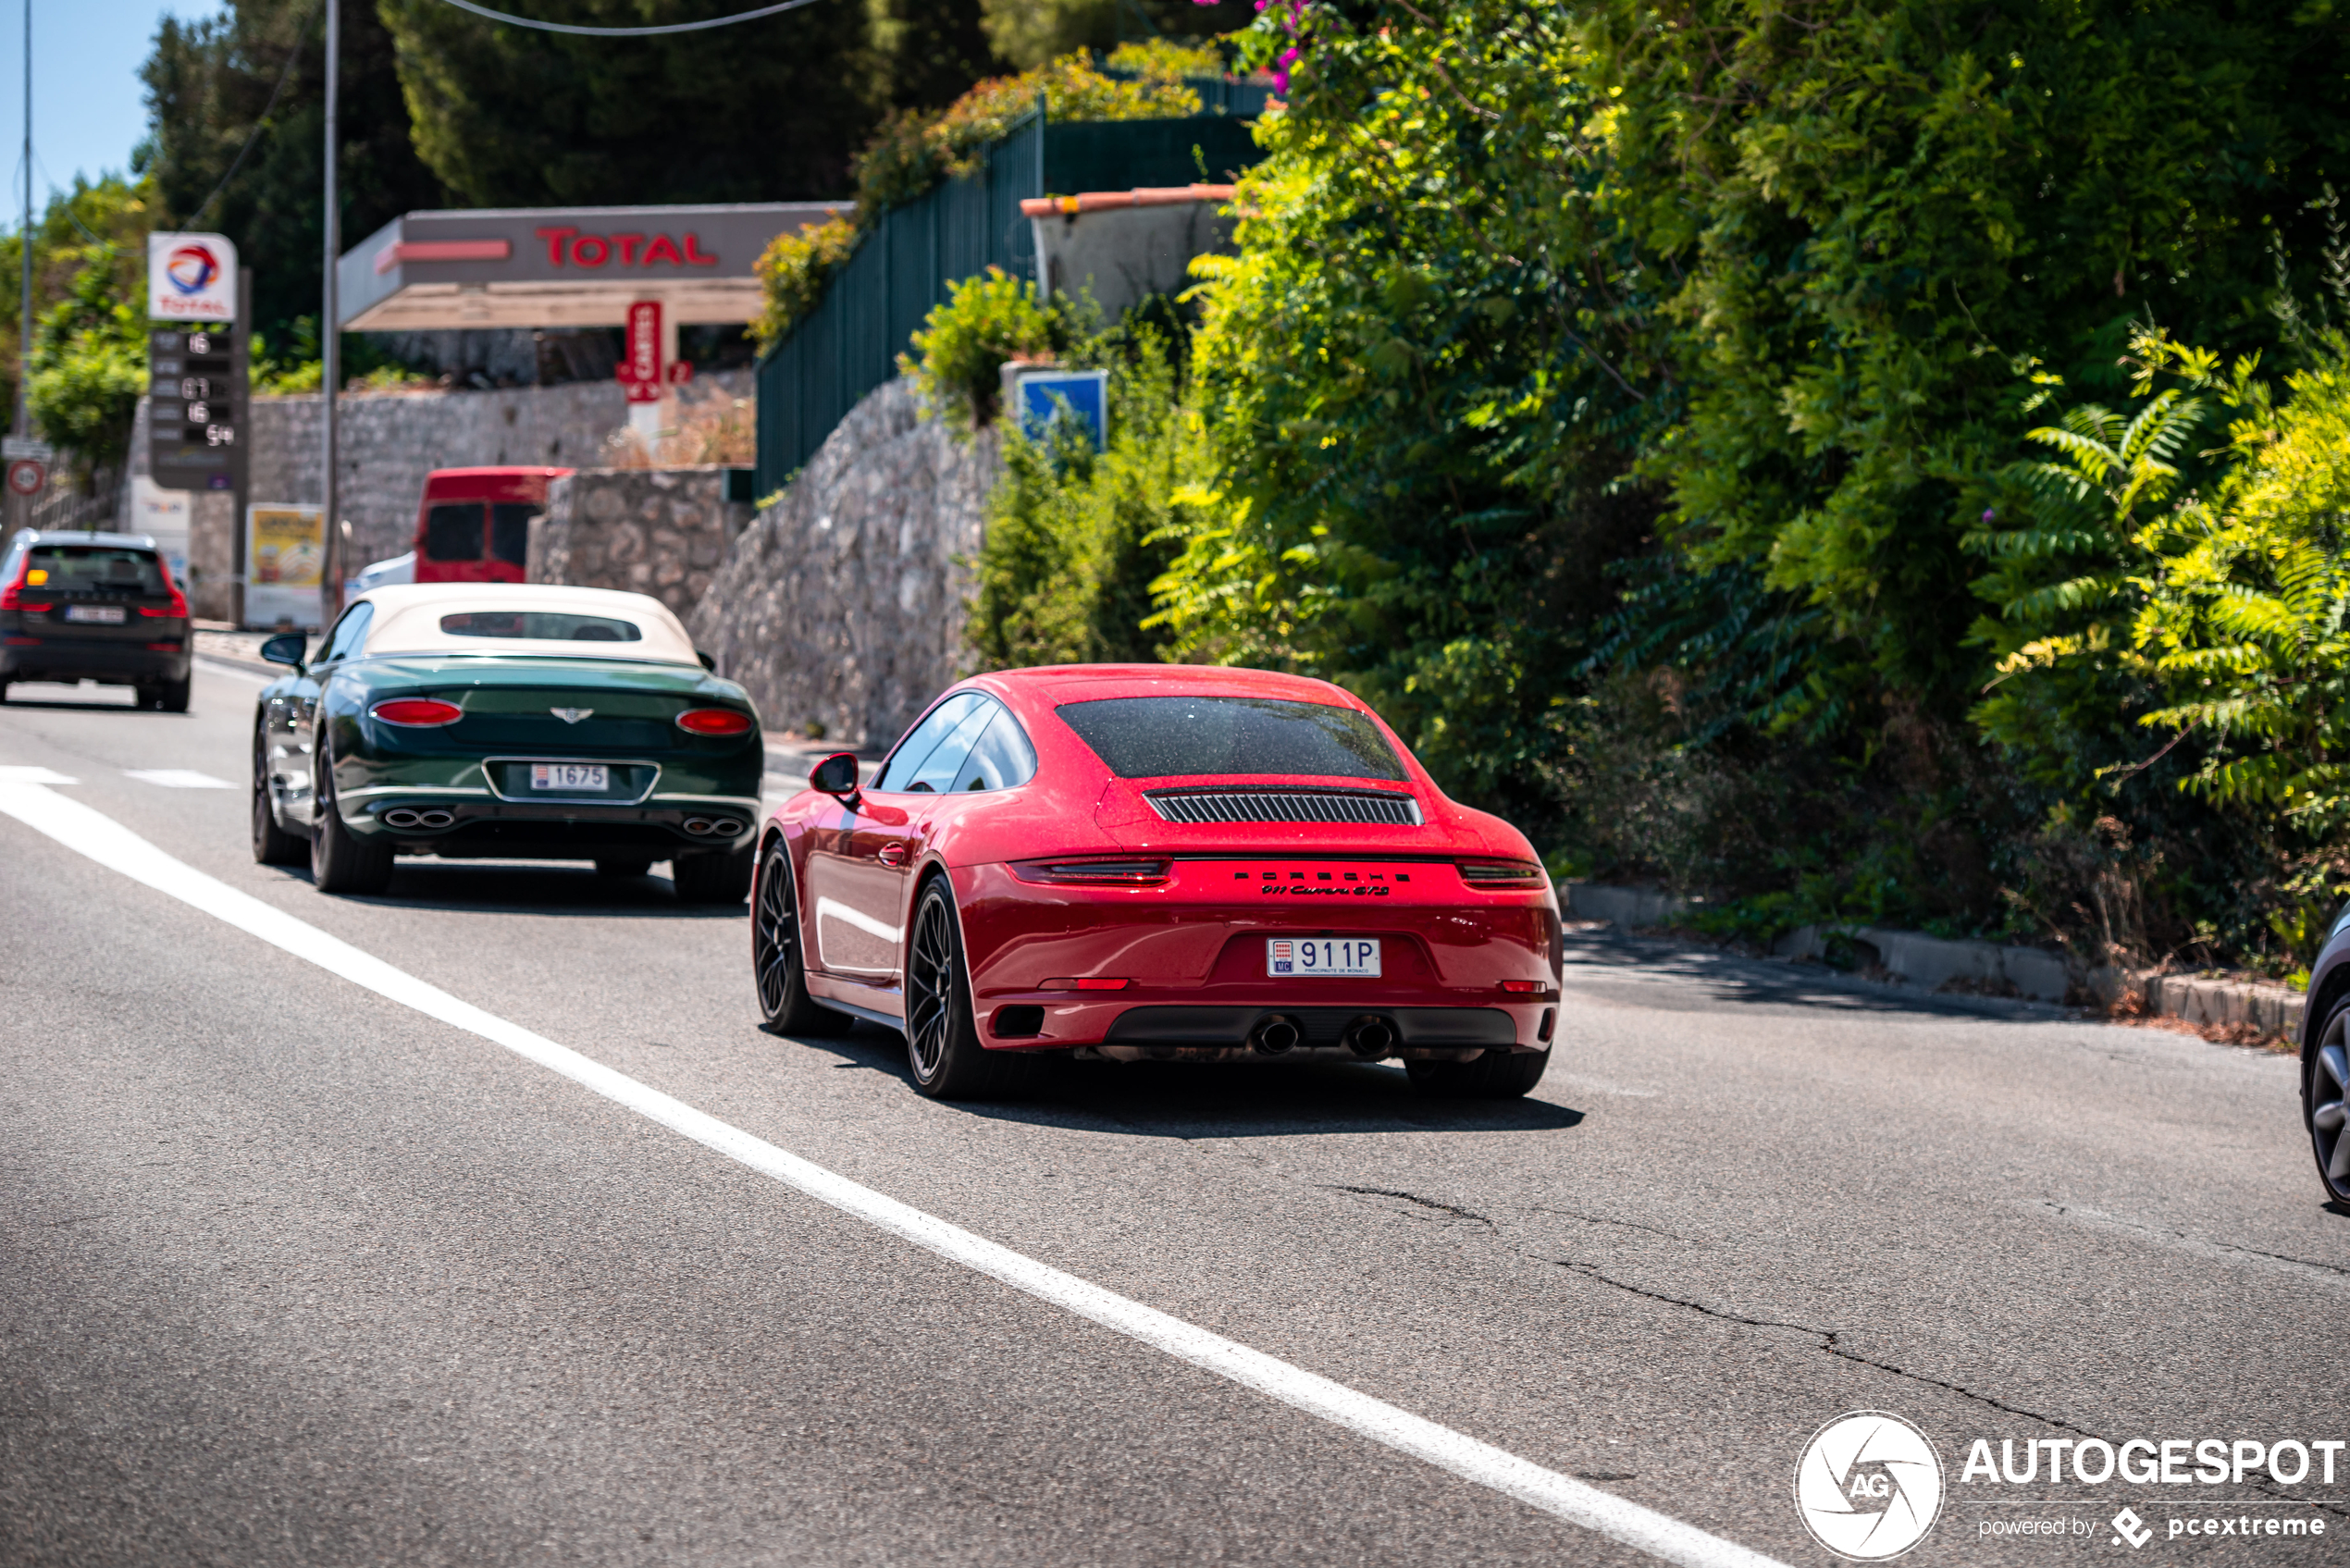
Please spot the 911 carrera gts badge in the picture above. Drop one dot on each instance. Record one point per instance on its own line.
(571, 715)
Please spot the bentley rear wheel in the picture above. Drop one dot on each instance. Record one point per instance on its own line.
(942, 1038)
(775, 964)
(338, 862)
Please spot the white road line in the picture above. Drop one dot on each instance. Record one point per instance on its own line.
(176, 778)
(24, 795)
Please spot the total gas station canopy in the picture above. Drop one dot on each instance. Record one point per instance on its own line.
(576, 266)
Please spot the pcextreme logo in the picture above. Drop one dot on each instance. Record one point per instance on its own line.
(1869, 1486)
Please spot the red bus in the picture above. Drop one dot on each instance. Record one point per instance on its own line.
(474, 524)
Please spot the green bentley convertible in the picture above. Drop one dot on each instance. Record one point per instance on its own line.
(511, 721)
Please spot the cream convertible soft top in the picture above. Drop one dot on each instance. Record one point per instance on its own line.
(408, 621)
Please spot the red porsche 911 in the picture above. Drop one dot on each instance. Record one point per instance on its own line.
(1157, 863)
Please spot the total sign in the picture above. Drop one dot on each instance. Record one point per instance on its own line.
(191, 278)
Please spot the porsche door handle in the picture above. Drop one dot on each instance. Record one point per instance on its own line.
(892, 855)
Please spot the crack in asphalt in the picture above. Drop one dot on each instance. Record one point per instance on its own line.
(1830, 1341)
(2192, 1242)
(1626, 1224)
(1409, 1198)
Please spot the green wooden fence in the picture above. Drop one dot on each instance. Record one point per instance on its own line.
(872, 307)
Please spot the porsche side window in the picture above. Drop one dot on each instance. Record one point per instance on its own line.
(939, 769)
(1002, 759)
(349, 633)
(922, 739)
(1157, 737)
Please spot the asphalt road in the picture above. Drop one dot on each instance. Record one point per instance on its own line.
(291, 1273)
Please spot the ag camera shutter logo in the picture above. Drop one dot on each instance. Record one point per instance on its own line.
(1869, 1486)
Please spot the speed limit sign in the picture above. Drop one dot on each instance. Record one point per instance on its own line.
(26, 477)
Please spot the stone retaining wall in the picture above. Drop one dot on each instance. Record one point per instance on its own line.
(843, 603)
(658, 531)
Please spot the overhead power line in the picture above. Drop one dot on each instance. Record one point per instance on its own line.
(629, 31)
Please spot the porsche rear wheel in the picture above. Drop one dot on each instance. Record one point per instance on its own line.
(272, 844)
(339, 862)
(2325, 1069)
(1496, 1075)
(775, 963)
(942, 1038)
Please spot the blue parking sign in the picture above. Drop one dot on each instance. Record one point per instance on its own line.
(1042, 395)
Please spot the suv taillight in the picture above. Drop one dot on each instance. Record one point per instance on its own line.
(178, 608)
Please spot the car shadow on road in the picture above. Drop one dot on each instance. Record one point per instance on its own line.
(497, 888)
(1214, 1099)
(1606, 961)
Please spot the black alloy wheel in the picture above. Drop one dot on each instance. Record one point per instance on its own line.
(1496, 1075)
(272, 844)
(2325, 1074)
(338, 862)
(941, 1037)
(776, 966)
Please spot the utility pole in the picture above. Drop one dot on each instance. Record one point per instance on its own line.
(24, 249)
(329, 346)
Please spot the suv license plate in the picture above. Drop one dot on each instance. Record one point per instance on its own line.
(96, 614)
(1347, 958)
(571, 776)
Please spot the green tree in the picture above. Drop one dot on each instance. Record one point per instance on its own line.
(210, 86)
(931, 51)
(90, 363)
(1029, 32)
(118, 213)
(760, 111)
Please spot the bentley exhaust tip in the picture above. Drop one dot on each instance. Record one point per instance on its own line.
(1371, 1037)
(1275, 1036)
(400, 817)
(435, 818)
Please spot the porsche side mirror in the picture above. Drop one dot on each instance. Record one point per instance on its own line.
(835, 776)
(285, 648)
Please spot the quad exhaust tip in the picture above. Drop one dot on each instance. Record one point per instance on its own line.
(1276, 1036)
(1371, 1037)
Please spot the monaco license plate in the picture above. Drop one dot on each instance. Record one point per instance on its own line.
(570, 777)
(1347, 958)
(96, 614)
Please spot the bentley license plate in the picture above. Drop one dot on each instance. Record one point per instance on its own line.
(96, 614)
(571, 777)
(1349, 958)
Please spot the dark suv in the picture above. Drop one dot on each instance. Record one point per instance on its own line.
(95, 606)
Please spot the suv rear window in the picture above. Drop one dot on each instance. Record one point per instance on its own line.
(1157, 737)
(94, 569)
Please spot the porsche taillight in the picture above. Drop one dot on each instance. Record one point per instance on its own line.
(1126, 873)
(1502, 874)
(416, 712)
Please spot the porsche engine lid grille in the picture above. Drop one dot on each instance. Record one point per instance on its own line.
(1386, 808)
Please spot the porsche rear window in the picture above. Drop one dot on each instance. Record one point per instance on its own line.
(1157, 737)
(94, 569)
(541, 625)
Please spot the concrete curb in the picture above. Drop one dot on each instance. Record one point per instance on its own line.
(1981, 968)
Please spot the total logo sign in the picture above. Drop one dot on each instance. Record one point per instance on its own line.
(191, 278)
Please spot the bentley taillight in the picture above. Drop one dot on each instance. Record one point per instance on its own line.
(416, 712)
(718, 722)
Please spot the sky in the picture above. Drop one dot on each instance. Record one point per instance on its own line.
(89, 108)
